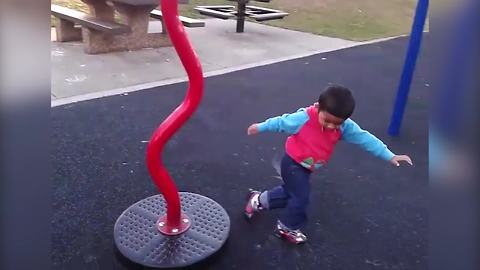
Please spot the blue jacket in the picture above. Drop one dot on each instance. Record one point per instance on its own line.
(351, 132)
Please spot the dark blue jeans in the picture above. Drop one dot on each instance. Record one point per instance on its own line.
(293, 195)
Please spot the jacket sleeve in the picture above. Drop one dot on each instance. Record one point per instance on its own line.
(352, 133)
(287, 123)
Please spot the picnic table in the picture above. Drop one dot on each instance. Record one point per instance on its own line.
(101, 33)
(133, 13)
(241, 12)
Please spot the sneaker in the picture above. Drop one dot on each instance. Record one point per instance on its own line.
(253, 203)
(293, 236)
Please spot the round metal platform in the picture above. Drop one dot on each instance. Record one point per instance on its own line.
(138, 238)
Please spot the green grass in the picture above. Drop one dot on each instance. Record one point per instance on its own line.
(73, 4)
(188, 10)
(356, 27)
(77, 5)
(357, 20)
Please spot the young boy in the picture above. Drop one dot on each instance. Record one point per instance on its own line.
(314, 133)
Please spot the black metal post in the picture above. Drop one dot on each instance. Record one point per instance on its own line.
(241, 8)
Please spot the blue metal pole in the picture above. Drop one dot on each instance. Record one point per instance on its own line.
(409, 67)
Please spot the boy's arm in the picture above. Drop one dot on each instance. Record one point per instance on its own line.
(287, 123)
(352, 133)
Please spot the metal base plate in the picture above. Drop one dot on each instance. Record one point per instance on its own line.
(138, 238)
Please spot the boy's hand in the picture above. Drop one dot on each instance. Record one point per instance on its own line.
(396, 160)
(252, 130)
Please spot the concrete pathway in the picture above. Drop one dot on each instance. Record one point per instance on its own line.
(220, 49)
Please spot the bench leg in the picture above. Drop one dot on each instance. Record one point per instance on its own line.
(242, 4)
(100, 9)
(138, 19)
(66, 31)
(96, 42)
(164, 28)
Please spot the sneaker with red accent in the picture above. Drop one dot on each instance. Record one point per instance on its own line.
(293, 236)
(253, 203)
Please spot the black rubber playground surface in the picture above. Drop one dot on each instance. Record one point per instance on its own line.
(364, 214)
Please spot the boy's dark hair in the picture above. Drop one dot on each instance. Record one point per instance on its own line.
(337, 100)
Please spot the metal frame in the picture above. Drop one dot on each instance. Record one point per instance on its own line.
(409, 67)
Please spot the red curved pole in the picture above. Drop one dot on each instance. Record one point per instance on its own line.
(179, 116)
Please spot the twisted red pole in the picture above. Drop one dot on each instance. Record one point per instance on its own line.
(178, 117)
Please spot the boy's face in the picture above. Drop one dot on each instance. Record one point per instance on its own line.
(328, 120)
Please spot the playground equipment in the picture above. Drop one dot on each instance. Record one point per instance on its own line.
(409, 67)
(155, 232)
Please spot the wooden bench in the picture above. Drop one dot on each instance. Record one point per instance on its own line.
(68, 18)
(186, 21)
(265, 14)
(220, 12)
